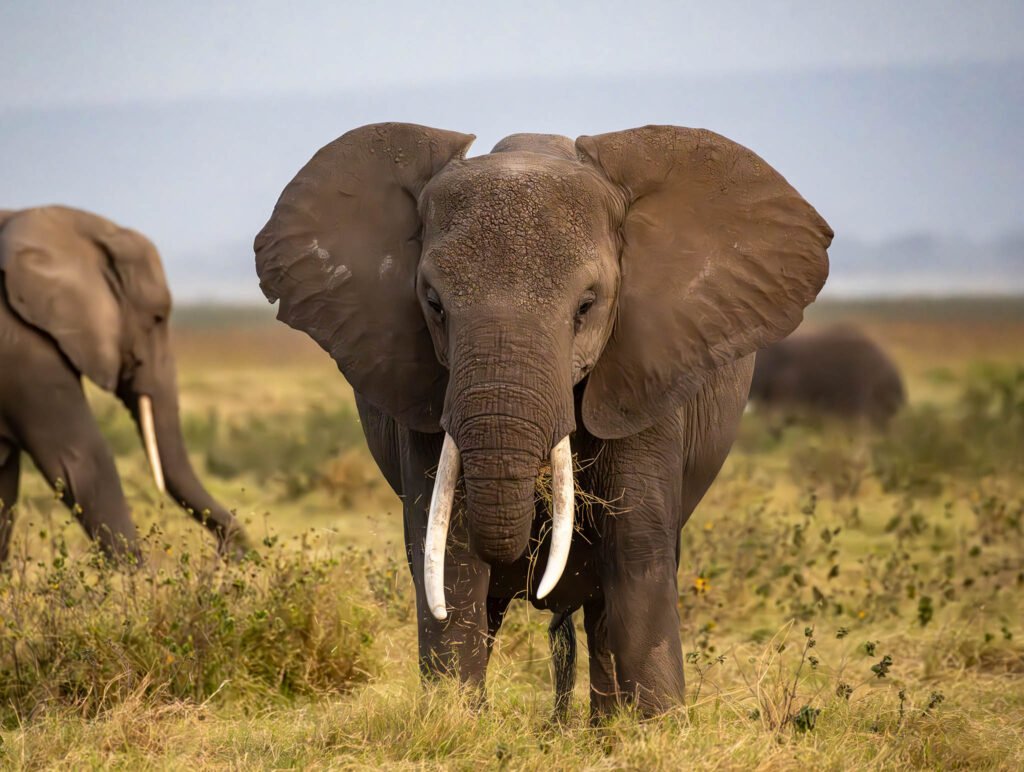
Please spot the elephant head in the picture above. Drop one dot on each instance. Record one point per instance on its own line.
(473, 296)
(99, 291)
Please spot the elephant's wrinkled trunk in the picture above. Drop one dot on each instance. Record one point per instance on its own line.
(165, 445)
(509, 404)
(500, 502)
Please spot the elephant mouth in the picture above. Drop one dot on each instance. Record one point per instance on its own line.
(443, 497)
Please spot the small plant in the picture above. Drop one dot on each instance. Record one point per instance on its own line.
(925, 610)
(934, 700)
(881, 669)
(805, 718)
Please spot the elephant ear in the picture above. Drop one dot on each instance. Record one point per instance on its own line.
(58, 279)
(720, 256)
(137, 263)
(341, 251)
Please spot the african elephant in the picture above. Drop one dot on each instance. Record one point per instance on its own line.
(499, 314)
(80, 295)
(837, 370)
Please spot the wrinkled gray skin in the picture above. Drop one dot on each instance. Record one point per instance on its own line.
(81, 296)
(613, 291)
(837, 371)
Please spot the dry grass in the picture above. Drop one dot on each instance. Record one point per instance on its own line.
(846, 600)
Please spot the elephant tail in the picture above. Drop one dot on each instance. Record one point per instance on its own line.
(562, 637)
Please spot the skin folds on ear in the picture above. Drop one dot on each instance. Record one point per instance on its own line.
(720, 256)
(340, 252)
(57, 278)
(139, 269)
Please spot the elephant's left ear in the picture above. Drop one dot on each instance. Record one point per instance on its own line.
(720, 256)
(58, 279)
(137, 263)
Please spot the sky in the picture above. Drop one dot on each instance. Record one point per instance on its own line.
(186, 120)
(56, 53)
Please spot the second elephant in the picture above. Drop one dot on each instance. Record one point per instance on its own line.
(82, 296)
(838, 370)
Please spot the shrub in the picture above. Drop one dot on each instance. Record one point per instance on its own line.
(88, 635)
(299, 451)
(978, 436)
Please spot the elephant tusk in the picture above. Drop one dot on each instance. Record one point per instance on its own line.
(563, 503)
(149, 439)
(437, 527)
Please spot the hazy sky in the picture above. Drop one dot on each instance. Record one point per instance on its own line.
(56, 53)
(185, 120)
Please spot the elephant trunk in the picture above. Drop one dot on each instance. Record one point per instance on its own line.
(508, 405)
(500, 502)
(153, 403)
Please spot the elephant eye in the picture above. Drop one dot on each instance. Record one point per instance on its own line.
(435, 302)
(586, 303)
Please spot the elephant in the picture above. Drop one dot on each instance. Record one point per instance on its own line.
(82, 296)
(837, 370)
(580, 313)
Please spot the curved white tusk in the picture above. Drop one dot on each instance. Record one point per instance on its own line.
(149, 439)
(563, 502)
(437, 527)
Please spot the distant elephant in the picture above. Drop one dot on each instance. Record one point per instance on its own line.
(80, 295)
(498, 314)
(838, 370)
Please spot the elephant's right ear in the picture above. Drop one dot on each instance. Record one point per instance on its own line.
(58, 279)
(340, 252)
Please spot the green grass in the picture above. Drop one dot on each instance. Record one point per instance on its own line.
(847, 599)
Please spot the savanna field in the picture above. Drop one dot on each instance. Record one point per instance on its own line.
(848, 599)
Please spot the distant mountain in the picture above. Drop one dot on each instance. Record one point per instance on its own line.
(878, 152)
(917, 264)
(927, 264)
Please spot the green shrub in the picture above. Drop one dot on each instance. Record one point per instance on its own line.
(980, 435)
(88, 635)
(296, 450)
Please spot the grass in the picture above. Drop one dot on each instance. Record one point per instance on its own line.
(847, 599)
(275, 627)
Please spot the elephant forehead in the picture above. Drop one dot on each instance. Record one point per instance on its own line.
(513, 224)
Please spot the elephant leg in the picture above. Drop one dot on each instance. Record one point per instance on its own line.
(57, 429)
(460, 644)
(643, 632)
(637, 564)
(562, 637)
(10, 463)
(603, 688)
